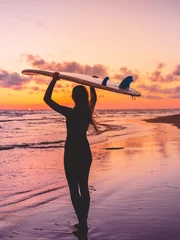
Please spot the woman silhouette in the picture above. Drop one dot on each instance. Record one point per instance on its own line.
(77, 155)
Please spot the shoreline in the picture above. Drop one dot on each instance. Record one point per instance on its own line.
(129, 184)
(171, 119)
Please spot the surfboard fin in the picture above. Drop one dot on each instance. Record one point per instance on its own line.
(126, 82)
(104, 82)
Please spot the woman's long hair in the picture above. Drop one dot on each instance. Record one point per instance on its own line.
(81, 99)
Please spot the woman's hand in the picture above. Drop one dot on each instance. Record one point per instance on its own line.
(56, 76)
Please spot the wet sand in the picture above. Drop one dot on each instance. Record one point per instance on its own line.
(135, 192)
(173, 119)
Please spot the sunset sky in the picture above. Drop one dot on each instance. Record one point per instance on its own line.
(114, 38)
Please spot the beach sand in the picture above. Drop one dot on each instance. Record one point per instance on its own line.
(173, 119)
(135, 191)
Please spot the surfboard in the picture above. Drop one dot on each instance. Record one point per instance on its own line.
(94, 81)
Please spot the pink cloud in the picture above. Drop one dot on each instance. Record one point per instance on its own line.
(150, 96)
(38, 62)
(151, 88)
(156, 89)
(160, 66)
(175, 96)
(12, 80)
(124, 72)
(177, 70)
(158, 76)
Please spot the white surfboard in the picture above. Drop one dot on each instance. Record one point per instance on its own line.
(93, 81)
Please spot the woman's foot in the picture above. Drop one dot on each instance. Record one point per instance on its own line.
(77, 225)
(81, 232)
(82, 228)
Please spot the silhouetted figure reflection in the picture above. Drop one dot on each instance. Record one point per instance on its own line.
(77, 155)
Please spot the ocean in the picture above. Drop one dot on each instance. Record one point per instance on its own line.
(31, 154)
(46, 129)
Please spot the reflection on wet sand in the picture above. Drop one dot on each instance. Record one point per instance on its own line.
(172, 119)
(142, 191)
(134, 191)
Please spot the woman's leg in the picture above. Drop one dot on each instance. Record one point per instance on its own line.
(72, 179)
(85, 196)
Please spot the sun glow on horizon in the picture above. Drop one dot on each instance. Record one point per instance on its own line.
(144, 46)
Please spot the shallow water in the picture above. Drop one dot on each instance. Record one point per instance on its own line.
(137, 187)
(46, 129)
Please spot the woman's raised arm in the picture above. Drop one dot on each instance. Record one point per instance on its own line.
(93, 98)
(48, 97)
